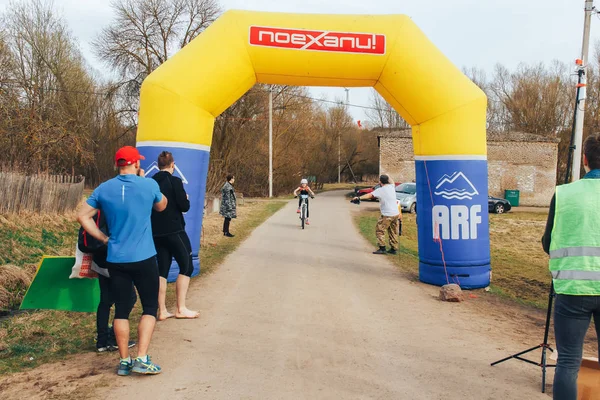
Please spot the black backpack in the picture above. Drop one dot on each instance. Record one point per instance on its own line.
(86, 242)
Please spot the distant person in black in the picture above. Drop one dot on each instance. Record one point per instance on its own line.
(171, 240)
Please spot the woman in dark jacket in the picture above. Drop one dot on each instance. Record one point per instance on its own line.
(171, 240)
(228, 204)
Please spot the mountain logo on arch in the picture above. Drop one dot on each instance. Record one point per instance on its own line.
(153, 169)
(455, 187)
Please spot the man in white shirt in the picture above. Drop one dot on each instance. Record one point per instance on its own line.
(390, 215)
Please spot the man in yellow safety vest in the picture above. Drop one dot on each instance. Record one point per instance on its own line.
(572, 239)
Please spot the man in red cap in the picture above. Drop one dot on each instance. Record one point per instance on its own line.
(127, 202)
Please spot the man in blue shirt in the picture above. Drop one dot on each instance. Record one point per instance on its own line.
(127, 202)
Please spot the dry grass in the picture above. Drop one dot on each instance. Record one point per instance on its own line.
(24, 239)
(33, 338)
(14, 282)
(327, 187)
(30, 339)
(519, 265)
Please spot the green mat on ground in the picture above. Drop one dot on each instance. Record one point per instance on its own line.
(52, 289)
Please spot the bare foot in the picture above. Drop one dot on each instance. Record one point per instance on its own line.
(187, 314)
(164, 316)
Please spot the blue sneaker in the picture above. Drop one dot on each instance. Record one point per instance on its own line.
(145, 367)
(125, 368)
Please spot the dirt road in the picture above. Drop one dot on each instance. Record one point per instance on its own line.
(314, 315)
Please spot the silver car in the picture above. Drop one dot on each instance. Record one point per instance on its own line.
(407, 195)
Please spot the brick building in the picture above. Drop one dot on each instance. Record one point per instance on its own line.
(520, 161)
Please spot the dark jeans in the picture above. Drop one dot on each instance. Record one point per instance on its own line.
(107, 299)
(572, 315)
(226, 224)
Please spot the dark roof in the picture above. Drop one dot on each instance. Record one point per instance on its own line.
(491, 136)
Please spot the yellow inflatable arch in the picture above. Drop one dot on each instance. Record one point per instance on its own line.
(447, 112)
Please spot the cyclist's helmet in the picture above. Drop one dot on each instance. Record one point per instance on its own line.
(304, 181)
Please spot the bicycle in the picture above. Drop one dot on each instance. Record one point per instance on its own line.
(304, 209)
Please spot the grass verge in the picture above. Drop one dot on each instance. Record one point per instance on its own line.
(30, 339)
(328, 187)
(23, 240)
(519, 265)
(348, 187)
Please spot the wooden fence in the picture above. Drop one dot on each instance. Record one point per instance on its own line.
(39, 193)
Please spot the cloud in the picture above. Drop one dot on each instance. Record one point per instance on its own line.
(470, 33)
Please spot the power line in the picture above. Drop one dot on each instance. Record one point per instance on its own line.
(339, 103)
(108, 94)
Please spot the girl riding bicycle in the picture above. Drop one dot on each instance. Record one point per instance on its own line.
(303, 189)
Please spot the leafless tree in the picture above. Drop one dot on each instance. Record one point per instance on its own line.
(532, 99)
(48, 76)
(6, 62)
(52, 118)
(146, 33)
(538, 99)
(495, 109)
(383, 116)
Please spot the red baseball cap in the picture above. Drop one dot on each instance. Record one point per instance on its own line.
(127, 155)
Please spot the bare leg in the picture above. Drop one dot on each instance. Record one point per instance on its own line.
(163, 313)
(145, 330)
(121, 327)
(182, 285)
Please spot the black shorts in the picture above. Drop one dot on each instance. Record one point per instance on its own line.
(176, 246)
(144, 276)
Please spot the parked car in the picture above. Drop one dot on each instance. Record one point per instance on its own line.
(406, 193)
(362, 192)
(498, 205)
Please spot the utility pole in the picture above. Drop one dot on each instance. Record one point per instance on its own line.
(270, 143)
(347, 97)
(578, 140)
(339, 156)
(340, 139)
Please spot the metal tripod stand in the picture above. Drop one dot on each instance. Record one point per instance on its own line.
(544, 346)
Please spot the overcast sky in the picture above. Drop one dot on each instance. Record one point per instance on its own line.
(477, 33)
